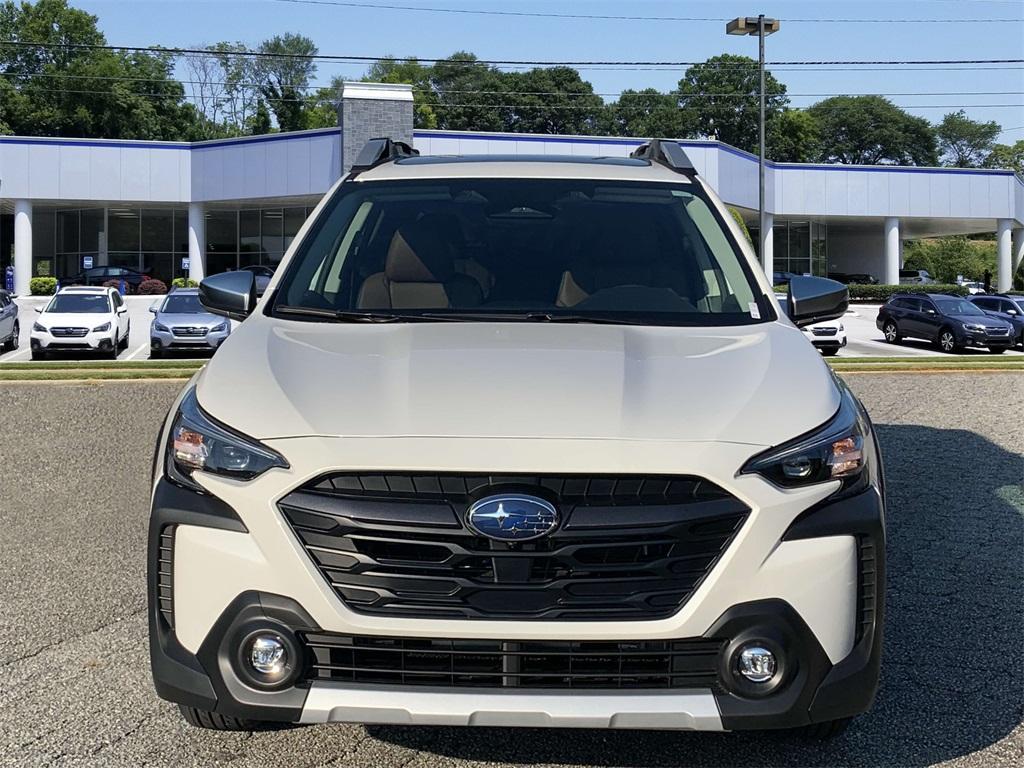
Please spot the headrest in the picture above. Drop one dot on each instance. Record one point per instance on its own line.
(418, 254)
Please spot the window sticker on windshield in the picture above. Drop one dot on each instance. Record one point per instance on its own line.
(754, 311)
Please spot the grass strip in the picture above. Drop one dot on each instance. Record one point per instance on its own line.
(87, 375)
(56, 365)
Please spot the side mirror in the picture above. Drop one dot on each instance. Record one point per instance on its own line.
(1012, 312)
(122, 309)
(816, 299)
(39, 310)
(231, 294)
(153, 309)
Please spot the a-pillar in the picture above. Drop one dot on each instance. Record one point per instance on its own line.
(196, 241)
(1004, 256)
(22, 246)
(892, 251)
(768, 247)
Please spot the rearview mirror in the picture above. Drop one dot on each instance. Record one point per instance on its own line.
(231, 294)
(816, 299)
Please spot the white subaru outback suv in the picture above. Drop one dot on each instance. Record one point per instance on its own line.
(84, 319)
(518, 442)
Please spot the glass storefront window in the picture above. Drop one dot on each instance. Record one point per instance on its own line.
(157, 230)
(248, 237)
(221, 241)
(272, 235)
(93, 239)
(67, 231)
(293, 221)
(124, 229)
(181, 231)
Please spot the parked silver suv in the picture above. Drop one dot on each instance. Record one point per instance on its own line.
(181, 323)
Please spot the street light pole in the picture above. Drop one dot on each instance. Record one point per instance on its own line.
(762, 27)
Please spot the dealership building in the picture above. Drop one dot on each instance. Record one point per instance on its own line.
(177, 209)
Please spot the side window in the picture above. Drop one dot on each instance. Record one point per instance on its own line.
(926, 305)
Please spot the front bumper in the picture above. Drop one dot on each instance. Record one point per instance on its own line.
(93, 340)
(167, 340)
(834, 657)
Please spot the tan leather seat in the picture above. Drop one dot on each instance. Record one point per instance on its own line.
(419, 273)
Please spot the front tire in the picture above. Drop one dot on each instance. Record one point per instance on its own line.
(891, 332)
(830, 351)
(947, 341)
(996, 350)
(38, 354)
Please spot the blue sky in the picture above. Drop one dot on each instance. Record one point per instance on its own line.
(364, 31)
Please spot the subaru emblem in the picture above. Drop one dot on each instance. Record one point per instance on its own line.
(512, 517)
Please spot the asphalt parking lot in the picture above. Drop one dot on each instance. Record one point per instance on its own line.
(75, 686)
(864, 339)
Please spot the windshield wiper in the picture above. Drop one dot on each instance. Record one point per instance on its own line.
(345, 316)
(547, 317)
(529, 317)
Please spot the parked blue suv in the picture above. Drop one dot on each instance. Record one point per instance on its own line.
(950, 322)
(1009, 309)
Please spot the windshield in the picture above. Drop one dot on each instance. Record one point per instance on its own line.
(953, 306)
(516, 249)
(182, 304)
(79, 303)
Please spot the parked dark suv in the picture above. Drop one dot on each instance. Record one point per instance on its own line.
(1009, 309)
(951, 322)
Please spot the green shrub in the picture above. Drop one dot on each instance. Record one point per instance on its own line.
(152, 287)
(882, 293)
(42, 286)
(183, 282)
(946, 258)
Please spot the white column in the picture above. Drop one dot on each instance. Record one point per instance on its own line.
(22, 246)
(1017, 250)
(892, 251)
(768, 247)
(1004, 271)
(196, 241)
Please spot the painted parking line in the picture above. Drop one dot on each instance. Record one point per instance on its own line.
(140, 348)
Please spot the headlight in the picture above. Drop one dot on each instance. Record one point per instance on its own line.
(161, 327)
(842, 449)
(221, 328)
(197, 442)
(99, 328)
(974, 327)
(841, 328)
(38, 327)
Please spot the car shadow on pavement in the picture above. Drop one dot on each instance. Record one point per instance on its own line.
(952, 680)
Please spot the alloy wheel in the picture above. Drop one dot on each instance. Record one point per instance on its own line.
(946, 341)
(890, 332)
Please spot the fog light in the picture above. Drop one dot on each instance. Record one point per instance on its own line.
(268, 656)
(757, 664)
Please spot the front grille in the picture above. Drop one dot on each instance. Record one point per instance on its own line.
(998, 331)
(69, 332)
(824, 331)
(866, 584)
(559, 664)
(629, 547)
(189, 332)
(165, 574)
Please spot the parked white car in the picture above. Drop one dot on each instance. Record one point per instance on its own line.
(82, 319)
(525, 443)
(974, 287)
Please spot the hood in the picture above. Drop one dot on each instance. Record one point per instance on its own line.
(74, 319)
(986, 320)
(201, 319)
(759, 385)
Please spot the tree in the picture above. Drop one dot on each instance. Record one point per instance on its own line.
(60, 88)
(794, 136)
(720, 100)
(241, 90)
(947, 258)
(555, 100)
(470, 96)
(284, 70)
(871, 130)
(648, 113)
(965, 143)
(1007, 156)
(259, 122)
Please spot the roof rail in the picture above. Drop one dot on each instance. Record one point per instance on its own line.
(667, 153)
(378, 151)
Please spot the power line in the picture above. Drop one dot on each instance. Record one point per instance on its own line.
(615, 94)
(606, 17)
(538, 63)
